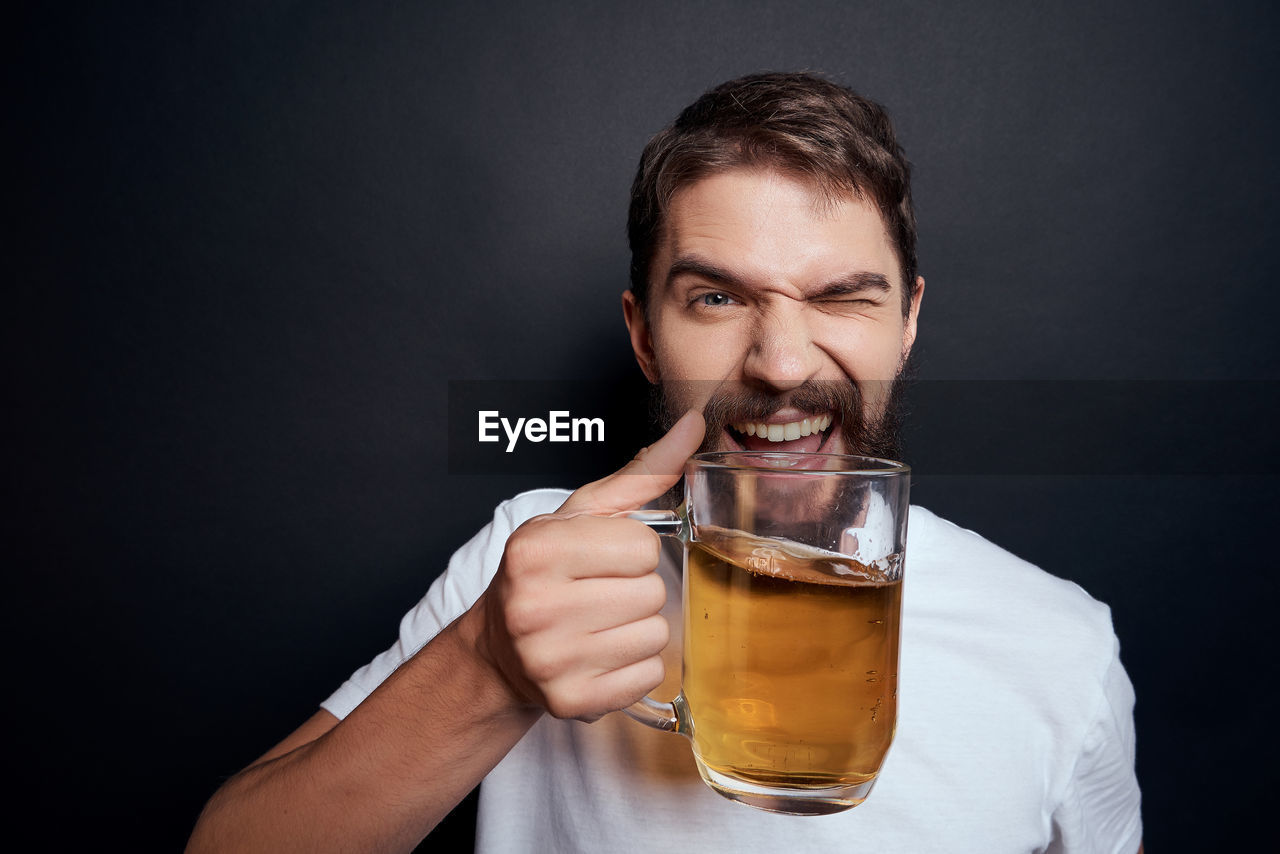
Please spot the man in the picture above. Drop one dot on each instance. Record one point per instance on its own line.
(774, 298)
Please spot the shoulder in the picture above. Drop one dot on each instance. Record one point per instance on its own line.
(1024, 628)
(957, 562)
(1009, 669)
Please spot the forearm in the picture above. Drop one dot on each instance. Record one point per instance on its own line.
(383, 777)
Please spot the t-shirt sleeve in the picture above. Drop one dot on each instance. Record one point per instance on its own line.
(1101, 807)
(469, 572)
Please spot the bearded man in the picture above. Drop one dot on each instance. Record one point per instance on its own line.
(774, 301)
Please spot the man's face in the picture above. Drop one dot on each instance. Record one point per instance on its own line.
(778, 313)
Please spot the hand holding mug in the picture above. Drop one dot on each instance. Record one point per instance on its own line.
(572, 618)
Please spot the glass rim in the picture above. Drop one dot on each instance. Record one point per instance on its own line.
(879, 466)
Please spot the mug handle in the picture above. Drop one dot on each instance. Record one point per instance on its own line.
(648, 711)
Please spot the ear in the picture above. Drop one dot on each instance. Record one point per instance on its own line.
(913, 316)
(641, 339)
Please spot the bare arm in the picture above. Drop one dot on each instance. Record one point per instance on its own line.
(570, 624)
(381, 779)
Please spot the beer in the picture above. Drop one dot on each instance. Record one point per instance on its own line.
(791, 661)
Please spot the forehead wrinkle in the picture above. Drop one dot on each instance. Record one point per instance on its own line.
(773, 231)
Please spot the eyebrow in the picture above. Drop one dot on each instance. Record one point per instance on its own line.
(850, 283)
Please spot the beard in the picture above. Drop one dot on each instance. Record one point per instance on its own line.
(865, 431)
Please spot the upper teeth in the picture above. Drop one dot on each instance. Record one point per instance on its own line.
(784, 432)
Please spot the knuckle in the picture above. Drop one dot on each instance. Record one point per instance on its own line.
(542, 665)
(523, 616)
(641, 460)
(526, 550)
(567, 701)
(584, 495)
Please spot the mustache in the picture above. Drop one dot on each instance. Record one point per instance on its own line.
(814, 397)
(877, 434)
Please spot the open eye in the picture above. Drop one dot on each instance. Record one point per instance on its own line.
(715, 298)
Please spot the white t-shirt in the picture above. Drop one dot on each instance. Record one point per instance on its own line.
(1015, 725)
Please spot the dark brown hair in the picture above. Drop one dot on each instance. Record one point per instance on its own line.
(800, 123)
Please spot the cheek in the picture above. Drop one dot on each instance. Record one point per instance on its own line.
(866, 351)
(871, 358)
(691, 352)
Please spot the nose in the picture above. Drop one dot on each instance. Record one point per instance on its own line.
(782, 355)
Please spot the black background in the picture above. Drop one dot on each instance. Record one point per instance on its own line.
(253, 242)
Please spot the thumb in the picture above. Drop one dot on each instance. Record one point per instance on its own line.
(653, 471)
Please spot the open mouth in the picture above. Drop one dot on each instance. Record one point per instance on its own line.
(806, 435)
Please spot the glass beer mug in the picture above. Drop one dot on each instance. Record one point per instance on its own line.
(792, 609)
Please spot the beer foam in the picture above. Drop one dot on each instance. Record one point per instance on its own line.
(793, 561)
(873, 540)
